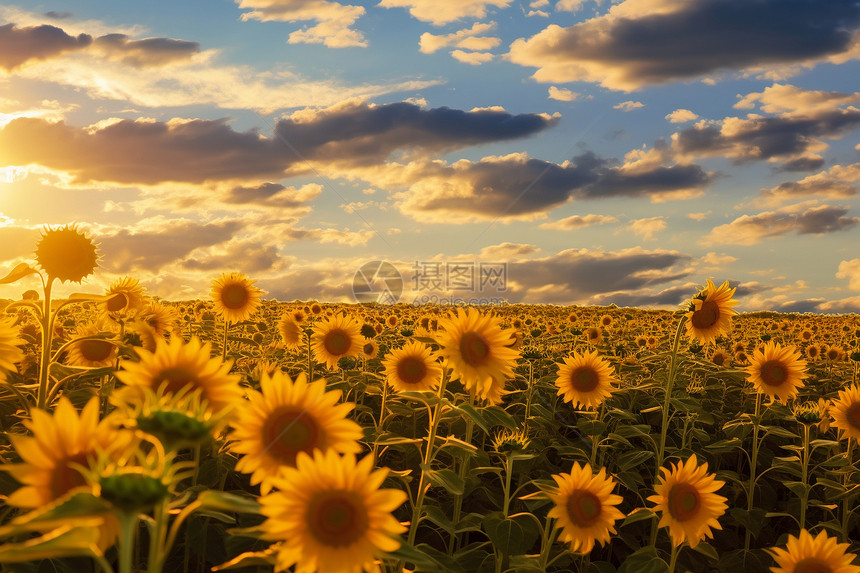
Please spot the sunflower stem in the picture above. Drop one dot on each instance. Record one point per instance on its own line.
(127, 523)
(673, 365)
(382, 409)
(846, 505)
(458, 499)
(673, 557)
(47, 338)
(224, 349)
(595, 437)
(804, 469)
(509, 473)
(753, 466)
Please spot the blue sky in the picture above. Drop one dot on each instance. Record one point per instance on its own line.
(602, 151)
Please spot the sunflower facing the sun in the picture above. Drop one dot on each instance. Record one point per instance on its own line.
(846, 412)
(412, 368)
(777, 371)
(808, 554)
(335, 338)
(585, 379)
(331, 516)
(710, 313)
(477, 351)
(687, 502)
(286, 418)
(585, 507)
(236, 298)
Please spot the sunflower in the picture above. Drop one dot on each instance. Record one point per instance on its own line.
(160, 318)
(177, 365)
(9, 343)
(711, 312)
(287, 418)
(806, 553)
(91, 353)
(585, 379)
(331, 516)
(412, 368)
(720, 358)
(369, 349)
(290, 330)
(585, 507)
(777, 371)
(477, 351)
(593, 335)
(236, 298)
(59, 443)
(846, 412)
(335, 338)
(66, 254)
(686, 498)
(128, 296)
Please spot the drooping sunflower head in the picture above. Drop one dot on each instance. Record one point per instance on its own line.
(777, 371)
(10, 353)
(66, 254)
(128, 296)
(686, 498)
(291, 332)
(808, 554)
(287, 418)
(846, 412)
(160, 317)
(413, 367)
(585, 507)
(585, 379)
(92, 349)
(235, 296)
(710, 313)
(177, 366)
(331, 515)
(335, 338)
(478, 352)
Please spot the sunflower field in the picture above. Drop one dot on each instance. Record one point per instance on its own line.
(243, 434)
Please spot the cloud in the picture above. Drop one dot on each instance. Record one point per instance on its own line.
(334, 21)
(640, 42)
(569, 5)
(467, 38)
(574, 275)
(562, 94)
(472, 58)
(628, 105)
(836, 182)
(251, 256)
(803, 218)
(577, 222)
(669, 297)
(273, 195)
(198, 150)
(146, 52)
(645, 228)
(440, 12)
(713, 259)
(699, 216)
(21, 45)
(850, 270)
(517, 186)
(681, 116)
(507, 251)
(781, 98)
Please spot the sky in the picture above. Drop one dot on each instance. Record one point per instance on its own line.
(552, 151)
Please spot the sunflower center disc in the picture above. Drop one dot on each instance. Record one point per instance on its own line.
(773, 373)
(175, 378)
(584, 379)
(95, 350)
(117, 302)
(583, 508)
(684, 501)
(66, 477)
(234, 296)
(812, 565)
(367, 349)
(852, 414)
(337, 342)
(474, 348)
(337, 518)
(706, 316)
(411, 370)
(288, 431)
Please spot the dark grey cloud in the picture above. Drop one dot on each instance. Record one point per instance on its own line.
(580, 274)
(627, 49)
(58, 15)
(20, 45)
(199, 150)
(801, 219)
(515, 185)
(152, 249)
(364, 134)
(802, 164)
(146, 52)
(791, 137)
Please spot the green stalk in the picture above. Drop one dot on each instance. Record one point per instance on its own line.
(382, 410)
(753, 465)
(127, 523)
(673, 559)
(846, 506)
(595, 438)
(664, 426)
(509, 473)
(804, 498)
(47, 324)
(458, 499)
(224, 349)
